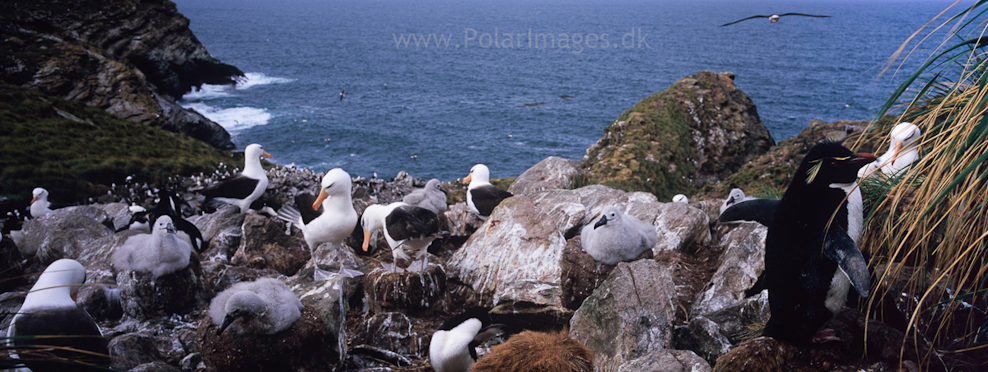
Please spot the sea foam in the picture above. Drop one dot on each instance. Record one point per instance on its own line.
(231, 118)
(252, 79)
(234, 118)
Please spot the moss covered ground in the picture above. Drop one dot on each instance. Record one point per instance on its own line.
(76, 151)
(651, 136)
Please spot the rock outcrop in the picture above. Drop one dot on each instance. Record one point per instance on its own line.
(551, 173)
(517, 254)
(628, 316)
(131, 58)
(698, 131)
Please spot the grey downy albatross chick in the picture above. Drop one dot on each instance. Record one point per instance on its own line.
(264, 307)
(617, 237)
(431, 197)
(162, 252)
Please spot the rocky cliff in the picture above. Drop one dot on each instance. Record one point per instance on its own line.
(131, 58)
(698, 131)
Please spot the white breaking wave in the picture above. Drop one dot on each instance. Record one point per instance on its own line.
(250, 80)
(234, 118)
(207, 92)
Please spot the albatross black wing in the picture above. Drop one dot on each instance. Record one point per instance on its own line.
(744, 19)
(804, 15)
(236, 187)
(487, 197)
(410, 222)
(304, 203)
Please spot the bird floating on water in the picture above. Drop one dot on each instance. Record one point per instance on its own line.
(773, 18)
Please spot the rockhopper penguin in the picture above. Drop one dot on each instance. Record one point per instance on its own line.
(811, 253)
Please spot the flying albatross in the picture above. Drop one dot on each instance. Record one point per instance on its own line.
(773, 18)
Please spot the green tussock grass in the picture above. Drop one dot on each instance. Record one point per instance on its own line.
(647, 152)
(927, 229)
(76, 151)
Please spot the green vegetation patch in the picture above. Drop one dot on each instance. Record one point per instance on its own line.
(76, 151)
(648, 147)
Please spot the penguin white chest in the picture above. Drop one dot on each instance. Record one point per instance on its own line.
(855, 209)
(837, 295)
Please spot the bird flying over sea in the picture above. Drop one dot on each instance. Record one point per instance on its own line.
(773, 18)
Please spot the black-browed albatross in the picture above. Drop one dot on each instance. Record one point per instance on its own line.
(69, 339)
(482, 196)
(331, 224)
(241, 190)
(773, 18)
(408, 229)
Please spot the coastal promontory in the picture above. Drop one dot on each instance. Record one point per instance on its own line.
(130, 58)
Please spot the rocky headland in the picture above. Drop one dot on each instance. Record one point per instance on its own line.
(130, 58)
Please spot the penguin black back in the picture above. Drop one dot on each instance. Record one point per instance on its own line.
(808, 242)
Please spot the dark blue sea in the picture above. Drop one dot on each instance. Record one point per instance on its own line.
(485, 84)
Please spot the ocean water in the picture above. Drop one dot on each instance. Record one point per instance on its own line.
(485, 84)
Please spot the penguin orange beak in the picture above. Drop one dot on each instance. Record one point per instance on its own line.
(863, 158)
(34, 199)
(467, 178)
(367, 236)
(898, 149)
(322, 197)
(266, 154)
